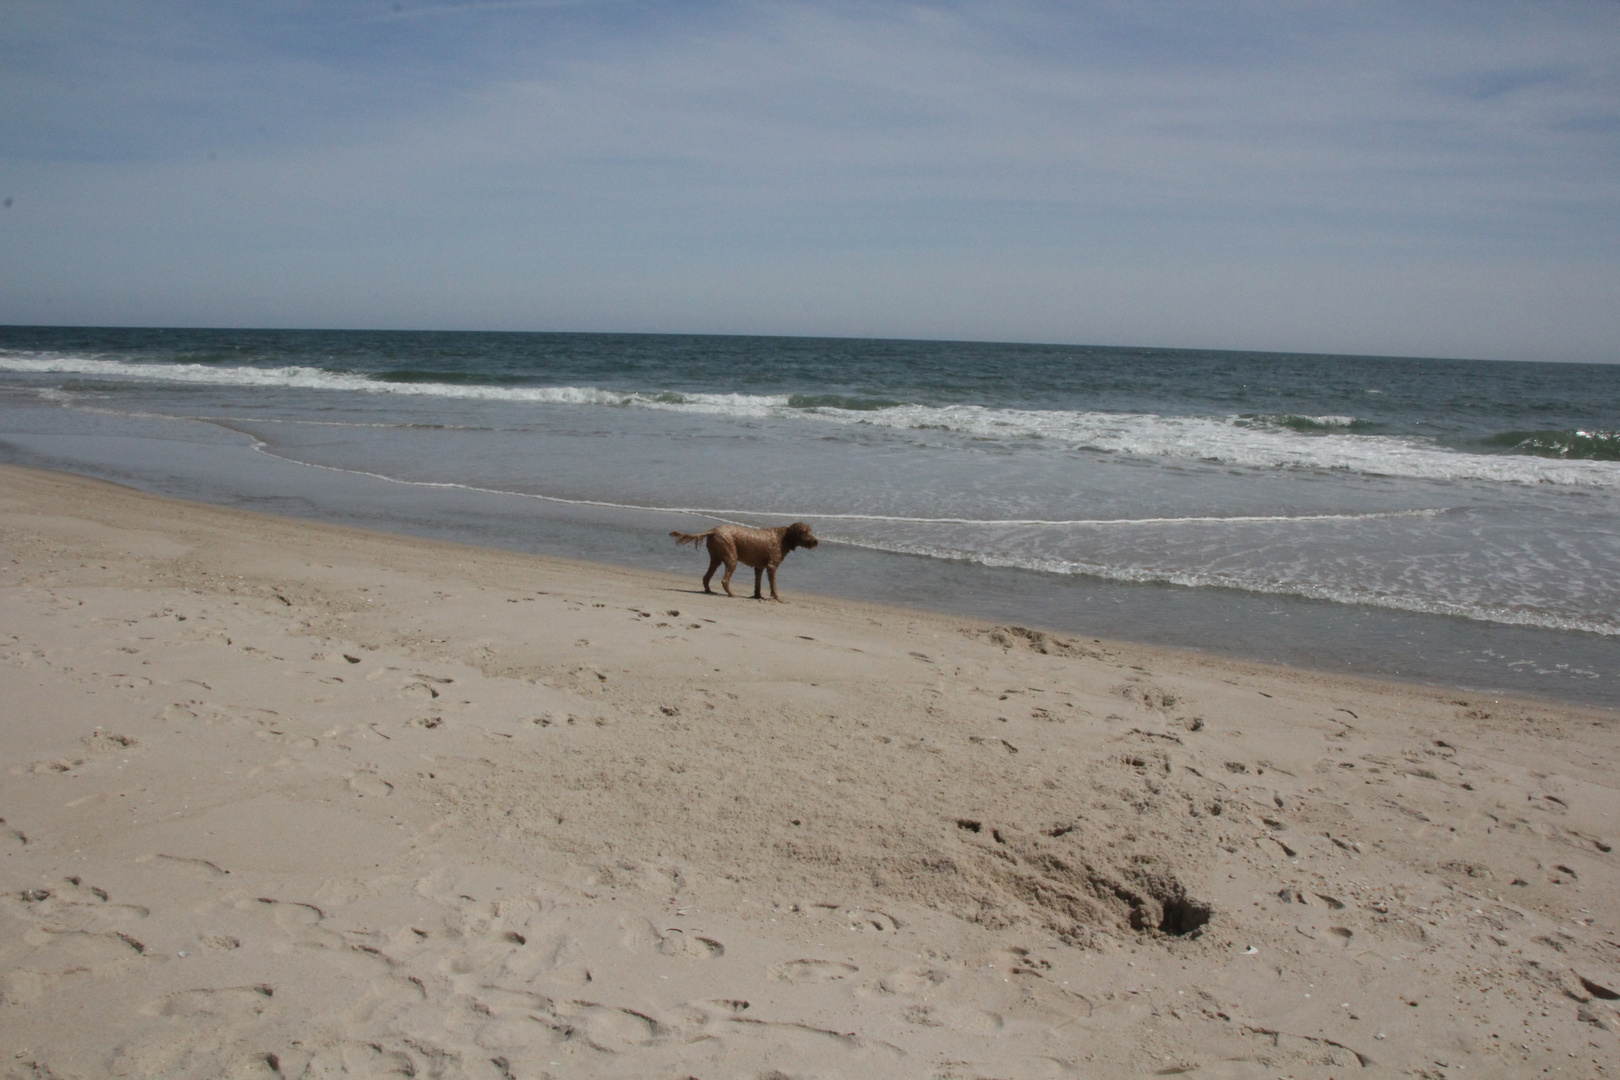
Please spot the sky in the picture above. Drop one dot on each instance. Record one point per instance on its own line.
(1414, 179)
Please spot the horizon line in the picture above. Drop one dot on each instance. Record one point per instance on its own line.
(1204, 350)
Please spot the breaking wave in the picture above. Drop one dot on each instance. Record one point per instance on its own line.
(1252, 440)
(1511, 616)
(1566, 445)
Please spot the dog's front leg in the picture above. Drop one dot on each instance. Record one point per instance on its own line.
(758, 572)
(772, 571)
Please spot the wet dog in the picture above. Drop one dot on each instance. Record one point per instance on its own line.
(762, 549)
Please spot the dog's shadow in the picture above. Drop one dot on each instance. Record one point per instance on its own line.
(717, 595)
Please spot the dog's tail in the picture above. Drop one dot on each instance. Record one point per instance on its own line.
(690, 538)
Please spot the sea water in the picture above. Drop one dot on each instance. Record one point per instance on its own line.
(1450, 521)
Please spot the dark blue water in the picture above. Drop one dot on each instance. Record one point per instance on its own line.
(1474, 406)
(1448, 520)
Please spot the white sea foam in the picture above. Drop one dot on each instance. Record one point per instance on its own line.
(1257, 442)
(306, 378)
(1291, 420)
(1245, 583)
(1483, 612)
(737, 515)
(988, 549)
(1228, 441)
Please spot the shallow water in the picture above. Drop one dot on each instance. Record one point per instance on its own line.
(1449, 521)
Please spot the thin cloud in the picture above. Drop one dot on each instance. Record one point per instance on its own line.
(400, 11)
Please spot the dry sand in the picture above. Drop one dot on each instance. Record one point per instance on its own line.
(286, 799)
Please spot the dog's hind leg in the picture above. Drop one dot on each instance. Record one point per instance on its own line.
(721, 550)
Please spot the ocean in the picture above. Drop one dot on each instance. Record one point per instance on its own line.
(1446, 521)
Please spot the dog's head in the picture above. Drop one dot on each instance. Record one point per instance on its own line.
(799, 536)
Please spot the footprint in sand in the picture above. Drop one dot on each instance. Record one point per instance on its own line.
(680, 943)
(559, 960)
(367, 783)
(210, 714)
(965, 1021)
(912, 980)
(643, 936)
(108, 742)
(1331, 935)
(1262, 796)
(500, 1001)
(520, 1033)
(300, 922)
(195, 1048)
(57, 765)
(419, 691)
(199, 867)
(367, 1059)
(815, 1043)
(230, 1002)
(610, 1029)
(60, 955)
(281, 738)
(871, 921)
(812, 971)
(89, 907)
(855, 918)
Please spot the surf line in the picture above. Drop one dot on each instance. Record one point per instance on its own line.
(1301, 590)
(727, 514)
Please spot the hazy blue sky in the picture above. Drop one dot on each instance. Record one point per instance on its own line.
(1425, 178)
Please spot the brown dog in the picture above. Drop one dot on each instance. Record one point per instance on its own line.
(763, 549)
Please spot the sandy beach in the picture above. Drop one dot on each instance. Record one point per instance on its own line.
(289, 799)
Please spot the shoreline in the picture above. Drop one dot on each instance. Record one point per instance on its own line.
(954, 621)
(290, 798)
(1435, 651)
